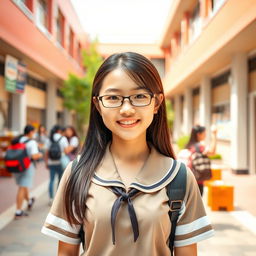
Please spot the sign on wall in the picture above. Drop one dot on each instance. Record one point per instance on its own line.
(15, 75)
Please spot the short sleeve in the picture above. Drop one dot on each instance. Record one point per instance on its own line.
(56, 224)
(193, 224)
(32, 147)
(74, 142)
(63, 143)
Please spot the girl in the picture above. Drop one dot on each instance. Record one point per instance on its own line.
(117, 191)
(73, 141)
(25, 179)
(196, 139)
(55, 165)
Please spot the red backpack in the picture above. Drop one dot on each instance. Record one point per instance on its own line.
(16, 157)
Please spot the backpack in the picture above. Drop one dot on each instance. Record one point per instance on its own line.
(176, 190)
(55, 150)
(16, 157)
(200, 165)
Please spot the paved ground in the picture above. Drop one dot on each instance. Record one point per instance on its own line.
(235, 232)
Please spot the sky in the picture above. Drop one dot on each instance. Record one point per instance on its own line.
(123, 21)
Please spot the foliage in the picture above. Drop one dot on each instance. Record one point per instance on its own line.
(169, 113)
(76, 91)
(182, 141)
(216, 157)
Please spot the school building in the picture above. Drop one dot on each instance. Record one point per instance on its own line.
(40, 44)
(210, 73)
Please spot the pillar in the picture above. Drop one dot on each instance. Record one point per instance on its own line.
(51, 98)
(205, 106)
(18, 112)
(238, 109)
(67, 117)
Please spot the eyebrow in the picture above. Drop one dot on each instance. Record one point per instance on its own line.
(118, 90)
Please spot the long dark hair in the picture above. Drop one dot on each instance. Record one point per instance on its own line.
(193, 135)
(145, 75)
(56, 128)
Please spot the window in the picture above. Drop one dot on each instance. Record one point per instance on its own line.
(221, 118)
(60, 28)
(195, 23)
(26, 6)
(216, 4)
(27, 3)
(79, 54)
(71, 43)
(42, 15)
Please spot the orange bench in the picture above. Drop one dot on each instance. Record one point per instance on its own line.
(220, 196)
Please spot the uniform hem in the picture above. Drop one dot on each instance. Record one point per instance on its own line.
(58, 236)
(195, 239)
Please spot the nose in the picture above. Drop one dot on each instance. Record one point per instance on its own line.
(127, 108)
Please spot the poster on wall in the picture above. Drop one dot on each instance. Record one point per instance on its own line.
(15, 75)
(21, 77)
(11, 72)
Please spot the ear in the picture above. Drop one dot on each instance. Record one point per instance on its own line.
(158, 101)
(96, 103)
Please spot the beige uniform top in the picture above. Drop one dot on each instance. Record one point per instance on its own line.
(151, 207)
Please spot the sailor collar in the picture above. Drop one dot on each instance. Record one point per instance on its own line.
(157, 172)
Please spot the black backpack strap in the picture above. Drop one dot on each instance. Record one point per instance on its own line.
(81, 231)
(176, 190)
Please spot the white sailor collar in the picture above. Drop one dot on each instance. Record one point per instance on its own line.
(158, 172)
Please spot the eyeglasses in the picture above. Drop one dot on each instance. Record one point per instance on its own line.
(137, 100)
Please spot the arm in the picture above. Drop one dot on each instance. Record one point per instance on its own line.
(37, 156)
(189, 250)
(65, 249)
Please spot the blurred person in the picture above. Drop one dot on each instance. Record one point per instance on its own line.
(197, 140)
(124, 167)
(24, 180)
(41, 138)
(54, 163)
(73, 141)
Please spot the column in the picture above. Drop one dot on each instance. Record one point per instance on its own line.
(238, 111)
(205, 106)
(177, 118)
(19, 112)
(67, 117)
(188, 111)
(51, 98)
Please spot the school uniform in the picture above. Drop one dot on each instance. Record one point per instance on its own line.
(150, 206)
(25, 179)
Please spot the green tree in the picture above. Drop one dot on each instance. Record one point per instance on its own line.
(76, 91)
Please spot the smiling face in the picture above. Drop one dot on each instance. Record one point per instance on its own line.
(126, 122)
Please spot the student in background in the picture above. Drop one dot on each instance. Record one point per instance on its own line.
(73, 141)
(197, 138)
(54, 165)
(41, 138)
(24, 180)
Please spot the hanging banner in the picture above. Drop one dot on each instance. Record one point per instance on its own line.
(11, 72)
(21, 77)
(15, 75)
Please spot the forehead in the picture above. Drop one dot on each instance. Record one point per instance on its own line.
(118, 81)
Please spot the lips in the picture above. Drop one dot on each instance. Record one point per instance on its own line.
(128, 123)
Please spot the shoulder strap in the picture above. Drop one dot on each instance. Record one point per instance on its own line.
(176, 191)
(59, 139)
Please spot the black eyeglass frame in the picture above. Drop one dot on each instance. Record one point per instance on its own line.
(126, 97)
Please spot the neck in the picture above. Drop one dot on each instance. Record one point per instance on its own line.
(129, 150)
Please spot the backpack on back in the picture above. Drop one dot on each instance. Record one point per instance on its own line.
(176, 191)
(200, 165)
(55, 150)
(16, 157)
